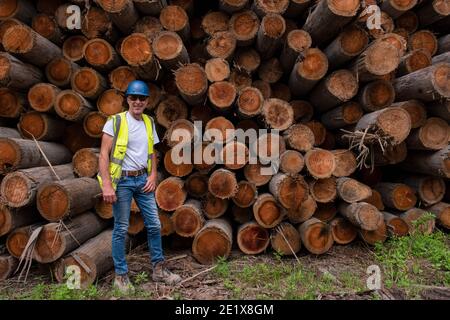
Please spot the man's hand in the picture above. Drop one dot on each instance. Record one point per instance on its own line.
(150, 185)
(109, 195)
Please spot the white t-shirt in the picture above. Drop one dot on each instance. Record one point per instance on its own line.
(137, 149)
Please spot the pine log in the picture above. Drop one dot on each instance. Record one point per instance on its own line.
(425, 40)
(192, 83)
(42, 97)
(231, 6)
(414, 217)
(432, 163)
(72, 48)
(265, 7)
(240, 78)
(174, 166)
(52, 243)
(214, 207)
(214, 21)
(214, 240)
(60, 71)
(174, 18)
(328, 17)
(249, 102)
(375, 236)
(442, 212)
(221, 95)
(242, 215)
(75, 138)
(136, 50)
(387, 26)
(222, 125)
(13, 103)
(397, 195)
(439, 109)
(281, 91)
(350, 43)
(375, 199)
(15, 74)
(41, 126)
(433, 11)
(395, 225)
(196, 185)
(271, 71)
(170, 194)
(167, 227)
(30, 45)
(376, 95)
(257, 174)
(123, 13)
(351, 190)
(47, 27)
(318, 130)
(217, 69)
(277, 114)
(291, 162)
(362, 215)
(379, 59)
(9, 133)
(390, 155)
(93, 258)
(101, 55)
(188, 219)
(252, 238)
(204, 157)
(316, 236)
(337, 88)
(393, 123)
(19, 188)
(267, 212)
(246, 194)
(343, 231)
(345, 163)
(72, 106)
(270, 33)
(430, 190)
(221, 45)
(433, 135)
(11, 219)
(88, 82)
(396, 8)
(96, 23)
(244, 26)
(409, 21)
(8, 265)
(416, 110)
(85, 162)
(180, 131)
(325, 211)
(18, 239)
(312, 66)
(289, 191)
(320, 163)
(323, 190)
(297, 7)
(93, 124)
(285, 239)
(413, 61)
(151, 8)
(247, 59)
(110, 102)
(21, 154)
(169, 49)
(222, 184)
(121, 77)
(19, 9)
(304, 212)
(303, 110)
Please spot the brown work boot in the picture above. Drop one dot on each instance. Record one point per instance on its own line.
(123, 284)
(162, 274)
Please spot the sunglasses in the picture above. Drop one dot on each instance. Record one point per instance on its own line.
(135, 97)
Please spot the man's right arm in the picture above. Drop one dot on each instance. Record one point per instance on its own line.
(109, 195)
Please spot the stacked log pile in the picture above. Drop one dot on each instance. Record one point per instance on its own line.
(359, 115)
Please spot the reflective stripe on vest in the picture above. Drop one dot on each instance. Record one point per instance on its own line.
(120, 143)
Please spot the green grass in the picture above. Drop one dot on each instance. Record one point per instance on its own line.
(405, 259)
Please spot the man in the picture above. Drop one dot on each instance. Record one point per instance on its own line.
(128, 169)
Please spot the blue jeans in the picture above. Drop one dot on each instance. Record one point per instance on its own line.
(127, 188)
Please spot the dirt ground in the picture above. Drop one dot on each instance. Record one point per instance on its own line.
(339, 274)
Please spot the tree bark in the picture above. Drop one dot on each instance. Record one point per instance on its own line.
(362, 215)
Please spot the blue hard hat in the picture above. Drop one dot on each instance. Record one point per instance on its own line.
(138, 87)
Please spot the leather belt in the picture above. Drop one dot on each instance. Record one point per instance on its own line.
(133, 173)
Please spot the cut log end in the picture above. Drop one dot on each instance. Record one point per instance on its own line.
(395, 123)
(49, 244)
(18, 39)
(10, 155)
(170, 194)
(197, 185)
(343, 231)
(187, 220)
(354, 40)
(382, 58)
(316, 236)
(320, 163)
(222, 184)
(345, 163)
(17, 241)
(372, 237)
(85, 162)
(110, 102)
(325, 211)
(53, 202)
(10, 101)
(217, 69)
(323, 190)
(314, 65)
(424, 39)
(396, 225)
(244, 25)
(252, 238)
(214, 207)
(291, 162)
(93, 124)
(174, 18)
(86, 81)
(42, 97)
(222, 94)
(267, 212)
(285, 239)
(342, 84)
(136, 49)
(250, 102)
(73, 47)
(278, 114)
(167, 45)
(191, 79)
(121, 77)
(15, 188)
(212, 242)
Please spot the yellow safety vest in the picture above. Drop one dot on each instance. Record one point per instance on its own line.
(120, 143)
